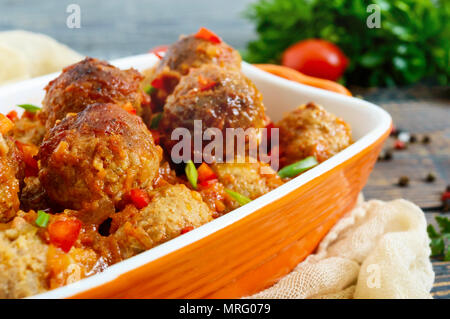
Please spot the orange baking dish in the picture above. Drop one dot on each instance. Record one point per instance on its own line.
(252, 247)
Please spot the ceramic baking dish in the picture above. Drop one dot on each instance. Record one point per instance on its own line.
(250, 248)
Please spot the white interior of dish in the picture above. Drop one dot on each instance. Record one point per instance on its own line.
(367, 120)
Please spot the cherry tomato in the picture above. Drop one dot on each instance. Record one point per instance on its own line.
(317, 58)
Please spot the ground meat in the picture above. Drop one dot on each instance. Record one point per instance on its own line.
(11, 170)
(173, 210)
(247, 177)
(23, 261)
(230, 100)
(92, 160)
(190, 52)
(91, 81)
(29, 129)
(310, 130)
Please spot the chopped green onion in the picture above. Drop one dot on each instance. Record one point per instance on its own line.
(298, 167)
(149, 89)
(42, 219)
(241, 199)
(155, 121)
(191, 173)
(29, 107)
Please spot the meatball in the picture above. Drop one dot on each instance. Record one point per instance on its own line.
(28, 265)
(91, 160)
(310, 130)
(11, 171)
(23, 261)
(190, 52)
(174, 209)
(247, 177)
(220, 98)
(91, 81)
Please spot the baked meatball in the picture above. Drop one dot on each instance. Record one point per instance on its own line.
(174, 209)
(91, 81)
(11, 170)
(310, 130)
(189, 52)
(220, 98)
(247, 177)
(94, 158)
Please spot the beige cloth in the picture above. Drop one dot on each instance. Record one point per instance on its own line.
(24, 55)
(378, 250)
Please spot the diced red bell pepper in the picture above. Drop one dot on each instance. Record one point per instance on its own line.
(186, 229)
(12, 116)
(205, 84)
(139, 198)
(208, 183)
(208, 35)
(129, 108)
(156, 136)
(205, 173)
(157, 83)
(158, 50)
(29, 151)
(64, 233)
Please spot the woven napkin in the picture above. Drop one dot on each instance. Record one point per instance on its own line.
(378, 250)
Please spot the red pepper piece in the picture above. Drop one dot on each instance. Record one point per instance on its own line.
(186, 229)
(64, 233)
(208, 35)
(139, 198)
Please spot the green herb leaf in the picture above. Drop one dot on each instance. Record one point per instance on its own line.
(149, 89)
(298, 167)
(241, 199)
(29, 107)
(439, 239)
(155, 121)
(411, 43)
(42, 219)
(191, 173)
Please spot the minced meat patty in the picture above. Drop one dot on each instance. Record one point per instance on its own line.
(91, 81)
(220, 98)
(247, 177)
(97, 156)
(11, 169)
(174, 209)
(190, 52)
(310, 130)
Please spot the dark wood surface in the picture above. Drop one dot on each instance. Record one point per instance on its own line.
(112, 29)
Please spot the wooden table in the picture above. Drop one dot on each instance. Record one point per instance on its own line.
(422, 111)
(112, 29)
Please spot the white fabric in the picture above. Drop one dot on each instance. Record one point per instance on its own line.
(378, 250)
(24, 55)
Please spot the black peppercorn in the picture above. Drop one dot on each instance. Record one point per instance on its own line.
(403, 181)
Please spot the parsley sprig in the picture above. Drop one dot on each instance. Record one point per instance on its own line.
(439, 239)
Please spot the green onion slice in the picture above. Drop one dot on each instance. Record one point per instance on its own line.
(29, 107)
(42, 219)
(241, 199)
(298, 167)
(155, 121)
(191, 173)
(149, 89)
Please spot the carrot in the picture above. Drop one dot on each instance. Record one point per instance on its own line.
(296, 76)
(5, 124)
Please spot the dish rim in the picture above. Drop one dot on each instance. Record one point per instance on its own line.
(121, 268)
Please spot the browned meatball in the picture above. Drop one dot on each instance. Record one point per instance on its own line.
(310, 130)
(220, 98)
(11, 169)
(95, 158)
(174, 209)
(91, 81)
(190, 52)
